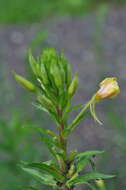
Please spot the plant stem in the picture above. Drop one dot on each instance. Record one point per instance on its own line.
(63, 141)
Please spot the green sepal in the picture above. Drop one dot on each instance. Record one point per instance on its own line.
(40, 177)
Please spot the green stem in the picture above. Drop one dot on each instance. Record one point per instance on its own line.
(78, 118)
(63, 142)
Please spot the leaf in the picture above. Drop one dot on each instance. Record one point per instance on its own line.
(84, 157)
(71, 109)
(74, 123)
(47, 132)
(89, 153)
(87, 177)
(51, 148)
(81, 163)
(48, 169)
(42, 178)
(53, 142)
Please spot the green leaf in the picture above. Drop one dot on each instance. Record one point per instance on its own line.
(52, 141)
(89, 153)
(48, 169)
(87, 177)
(74, 123)
(42, 178)
(84, 158)
(71, 109)
(82, 163)
(47, 132)
(51, 148)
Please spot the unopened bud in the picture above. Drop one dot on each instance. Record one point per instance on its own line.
(71, 170)
(24, 82)
(55, 71)
(109, 88)
(68, 74)
(73, 86)
(44, 75)
(100, 184)
(45, 101)
(32, 62)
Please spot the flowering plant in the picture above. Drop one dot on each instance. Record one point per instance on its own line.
(54, 90)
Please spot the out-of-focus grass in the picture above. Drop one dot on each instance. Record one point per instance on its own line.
(20, 11)
(18, 141)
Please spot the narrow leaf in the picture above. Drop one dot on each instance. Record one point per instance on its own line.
(89, 153)
(71, 109)
(84, 158)
(47, 132)
(42, 178)
(48, 169)
(74, 123)
(89, 176)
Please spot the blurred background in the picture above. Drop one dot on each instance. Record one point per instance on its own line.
(93, 36)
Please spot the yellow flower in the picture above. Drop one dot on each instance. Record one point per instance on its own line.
(109, 88)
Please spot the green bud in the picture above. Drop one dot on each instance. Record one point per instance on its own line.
(68, 74)
(73, 86)
(24, 82)
(32, 62)
(44, 75)
(45, 101)
(55, 71)
(100, 184)
(71, 170)
(67, 69)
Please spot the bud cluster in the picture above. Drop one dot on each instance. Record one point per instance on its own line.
(53, 74)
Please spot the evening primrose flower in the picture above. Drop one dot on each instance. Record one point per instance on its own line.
(109, 88)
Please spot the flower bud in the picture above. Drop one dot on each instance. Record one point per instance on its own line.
(45, 101)
(32, 62)
(100, 184)
(44, 75)
(24, 82)
(73, 86)
(71, 170)
(55, 71)
(109, 88)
